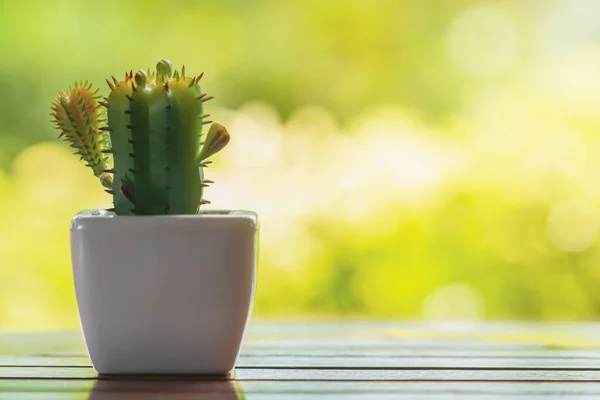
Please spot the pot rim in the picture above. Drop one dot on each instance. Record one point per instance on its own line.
(100, 213)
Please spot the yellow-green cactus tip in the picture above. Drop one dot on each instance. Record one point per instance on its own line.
(216, 139)
(164, 68)
(141, 77)
(106, 179)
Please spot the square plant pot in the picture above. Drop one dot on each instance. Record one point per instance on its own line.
(164, 294)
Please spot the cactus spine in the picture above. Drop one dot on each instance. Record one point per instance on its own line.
(154, 120)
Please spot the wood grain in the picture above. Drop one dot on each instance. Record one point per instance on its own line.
(336, 360)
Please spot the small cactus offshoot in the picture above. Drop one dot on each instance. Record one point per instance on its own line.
(143, 141)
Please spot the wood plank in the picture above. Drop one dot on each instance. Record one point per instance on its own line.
(298, 374)
(358, 352)
(464, 362)
(253, 351)
(365, 362)
(275, 396)
(565, 335)
(413, 375)
(68, 345)
(42, 361)
(402, 350)
(292, 390)
(352, 334)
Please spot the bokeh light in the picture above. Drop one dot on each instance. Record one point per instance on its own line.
(408, 160)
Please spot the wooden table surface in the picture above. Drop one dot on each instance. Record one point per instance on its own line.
(336, 360)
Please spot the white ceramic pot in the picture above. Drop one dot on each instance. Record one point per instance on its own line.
(164, 294)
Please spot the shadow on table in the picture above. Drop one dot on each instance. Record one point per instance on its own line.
(165, 388)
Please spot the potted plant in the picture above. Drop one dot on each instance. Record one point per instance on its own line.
(162, 288)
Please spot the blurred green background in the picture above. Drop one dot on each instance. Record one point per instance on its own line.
(412, 159)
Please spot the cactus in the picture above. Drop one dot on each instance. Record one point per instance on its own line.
(146, 149)
(77, 113)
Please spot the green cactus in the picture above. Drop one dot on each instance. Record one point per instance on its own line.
(154, 123)
(77, 113)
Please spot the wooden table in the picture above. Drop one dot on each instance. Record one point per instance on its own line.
(336, 360)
